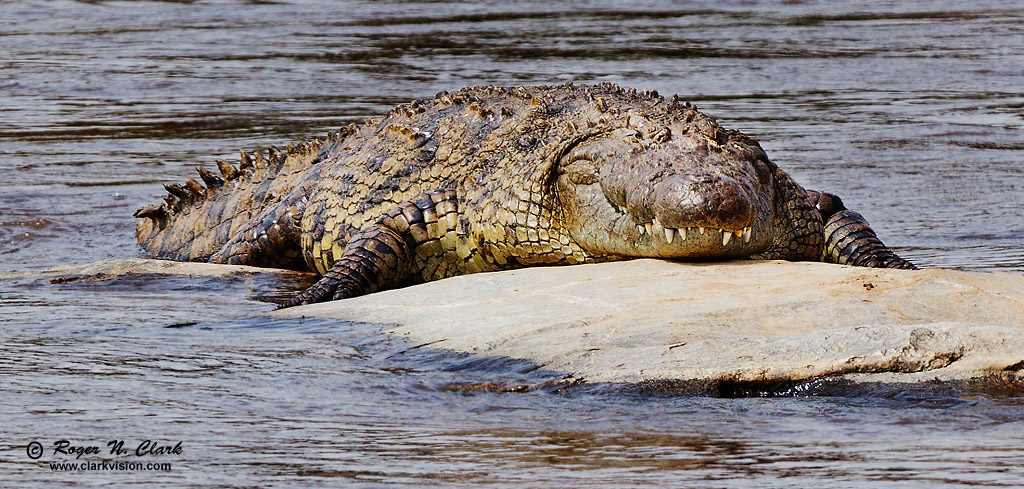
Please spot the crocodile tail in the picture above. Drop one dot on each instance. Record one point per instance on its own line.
(196, 219)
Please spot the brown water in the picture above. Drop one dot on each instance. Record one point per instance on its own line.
(911, 111)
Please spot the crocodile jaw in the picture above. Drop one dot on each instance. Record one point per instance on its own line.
(601, 227)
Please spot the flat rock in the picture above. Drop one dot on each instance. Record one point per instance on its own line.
(756, 321)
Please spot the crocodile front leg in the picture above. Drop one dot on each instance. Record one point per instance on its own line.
(849, 239)
(383, 255)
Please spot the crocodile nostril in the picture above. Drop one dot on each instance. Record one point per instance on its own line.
(709, 200)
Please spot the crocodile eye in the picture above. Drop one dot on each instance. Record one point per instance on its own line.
(526, 142)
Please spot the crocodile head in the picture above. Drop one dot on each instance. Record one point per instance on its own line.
(674, 191)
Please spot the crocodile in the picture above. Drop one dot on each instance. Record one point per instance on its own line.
(495, 178)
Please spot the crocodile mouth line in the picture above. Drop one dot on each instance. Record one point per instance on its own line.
(657, 229)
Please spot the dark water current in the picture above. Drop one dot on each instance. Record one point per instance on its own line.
(912, 111)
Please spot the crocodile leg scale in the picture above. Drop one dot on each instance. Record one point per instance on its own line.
(849, 240)
(404, 246)
(375, 259)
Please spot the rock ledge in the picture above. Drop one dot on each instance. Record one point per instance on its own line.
(743, 321)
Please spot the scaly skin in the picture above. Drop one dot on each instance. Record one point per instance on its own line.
(499, 178)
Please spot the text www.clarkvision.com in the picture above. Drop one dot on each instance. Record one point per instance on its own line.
(124, 459)
(90, 466)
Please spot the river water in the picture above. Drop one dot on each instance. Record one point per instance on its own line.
(911, 111)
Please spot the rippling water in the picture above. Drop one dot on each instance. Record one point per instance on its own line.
(911, 111)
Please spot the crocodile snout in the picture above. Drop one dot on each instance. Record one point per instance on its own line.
(712, 201)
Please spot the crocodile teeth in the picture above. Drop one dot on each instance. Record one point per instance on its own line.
(669, 234)
(746, 234)
(640, 228)
(701, 230)
(650, 228)
(738, 232)
(682, 233)
(657, 228)
(725, 238)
